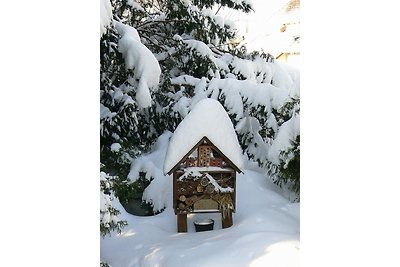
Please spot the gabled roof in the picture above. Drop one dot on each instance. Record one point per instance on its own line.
(207, 119)
(205, 139)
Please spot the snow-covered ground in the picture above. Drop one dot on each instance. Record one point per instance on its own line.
(265, 232)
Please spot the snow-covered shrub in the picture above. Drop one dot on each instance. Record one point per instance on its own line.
(129, 74)
(109, 220)
(150, 165)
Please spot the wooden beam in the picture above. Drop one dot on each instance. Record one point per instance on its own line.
(182, 223)
(175, 192)
(227, 221)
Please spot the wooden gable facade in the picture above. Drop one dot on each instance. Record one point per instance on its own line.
(204, 180)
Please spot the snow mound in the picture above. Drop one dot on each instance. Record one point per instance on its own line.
(207, 118)
(159, 192)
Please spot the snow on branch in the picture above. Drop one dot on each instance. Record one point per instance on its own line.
(237, 92)
(141, 60)
(135, 5)
(109, 219)
(283, 142)
(105, 15)
(201, 49)
(158, 193)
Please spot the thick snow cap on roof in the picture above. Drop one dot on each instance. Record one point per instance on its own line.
(208, 118)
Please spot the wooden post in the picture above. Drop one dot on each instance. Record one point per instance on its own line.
(174, 194)
(182, 223)
(227, 221)
(233, 176)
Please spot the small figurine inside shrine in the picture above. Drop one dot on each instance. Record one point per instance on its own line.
(203, 156)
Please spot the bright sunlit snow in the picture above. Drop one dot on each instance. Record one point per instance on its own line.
(159, 192)
(265, 232)
(105, 15)
(207, 118)
(141, 59)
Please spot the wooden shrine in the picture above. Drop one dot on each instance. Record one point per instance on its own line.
(204, 181)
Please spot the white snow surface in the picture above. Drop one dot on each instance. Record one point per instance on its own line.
(287, 133)
(106, 202)
(267, 85)
(254, 94)
(271, 88)
(115, 147)
(207, 118)
(200, 48)
(135, 5)
(138, 57)
(105, 15)
(265, 232)
(290, 73)
(159, 192)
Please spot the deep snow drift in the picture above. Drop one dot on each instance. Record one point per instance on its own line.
(265, 232)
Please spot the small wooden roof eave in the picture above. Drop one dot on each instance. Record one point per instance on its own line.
(195, 146)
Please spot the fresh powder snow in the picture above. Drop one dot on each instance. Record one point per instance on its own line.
(207, 118)
(266, 227)
(135, 5)
(159, 191)
(276, 85)
(105, 15)
(139, 58)
(115, 147)
(106, 202)
(283, 142)
(265, 232)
